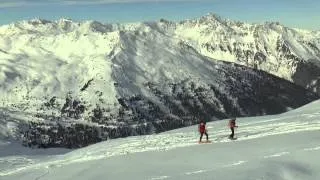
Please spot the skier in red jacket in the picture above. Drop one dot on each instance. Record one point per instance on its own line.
(232, 125)
(203, 130)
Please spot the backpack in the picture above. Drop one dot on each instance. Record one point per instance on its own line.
(232, 123)
(202, 127)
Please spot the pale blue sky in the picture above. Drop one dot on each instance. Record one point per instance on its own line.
(293, 13)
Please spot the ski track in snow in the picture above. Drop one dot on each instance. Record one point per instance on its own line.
(277, 155)
(160, 177)
(202, 171)
(241, 162)
(312, 149)
(42, 175)
(164, 142)
(235, 164)
(196, 172)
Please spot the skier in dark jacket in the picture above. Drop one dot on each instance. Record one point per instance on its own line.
(232, 125)
(203, 130)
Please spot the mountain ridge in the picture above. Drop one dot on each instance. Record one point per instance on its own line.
(92, 81)
(272, 47)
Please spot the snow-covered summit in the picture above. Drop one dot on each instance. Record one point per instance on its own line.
(272, 47)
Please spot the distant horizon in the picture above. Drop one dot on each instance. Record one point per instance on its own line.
(155, 20)
(289, 13)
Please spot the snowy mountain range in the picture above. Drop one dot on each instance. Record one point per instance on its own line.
(66, 83)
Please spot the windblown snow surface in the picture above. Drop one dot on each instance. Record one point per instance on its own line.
(277, 147)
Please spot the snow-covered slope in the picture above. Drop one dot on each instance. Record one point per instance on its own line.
(125, 79)
(277, 147)
(40, 58)
(293, 54)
